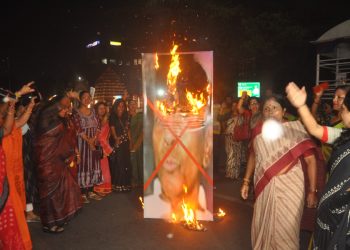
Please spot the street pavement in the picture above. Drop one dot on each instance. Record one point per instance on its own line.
(117, 222)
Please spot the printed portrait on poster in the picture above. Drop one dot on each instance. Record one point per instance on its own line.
(178, 134)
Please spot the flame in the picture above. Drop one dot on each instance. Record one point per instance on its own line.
(157, 64)
(196, 101)
(174, 70)
(185, 188)
(221, 213)
(164, 107)
(161, 107)
(189, 215)
(173, 217)
(141, 200)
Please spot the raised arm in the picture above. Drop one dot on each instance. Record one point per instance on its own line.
(297, 97)
(241, 101)
(316, 103)
(10, 118)
(26, 115)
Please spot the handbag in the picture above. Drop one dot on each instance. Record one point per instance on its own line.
(241, 131)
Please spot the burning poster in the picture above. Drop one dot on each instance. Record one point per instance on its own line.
(178, 164)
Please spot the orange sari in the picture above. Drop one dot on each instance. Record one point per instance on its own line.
(14, 232)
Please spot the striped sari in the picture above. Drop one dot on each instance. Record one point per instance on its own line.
(279, 198)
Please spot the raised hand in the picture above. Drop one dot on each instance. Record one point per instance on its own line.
(26, 89)
(296, 96)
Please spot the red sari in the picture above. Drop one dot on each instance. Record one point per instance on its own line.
(106, 186)
(59, 192)
(14, 233)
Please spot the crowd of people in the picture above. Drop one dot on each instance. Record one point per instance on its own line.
(300, 180)
(57, 155)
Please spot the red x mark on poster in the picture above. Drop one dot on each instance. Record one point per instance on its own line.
(178, 141)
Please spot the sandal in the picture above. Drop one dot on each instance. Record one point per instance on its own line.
(53, 229)
(117, 188)
(100, 194)
(84, 199)
(94, 196)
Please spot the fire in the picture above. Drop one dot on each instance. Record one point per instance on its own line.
(197, 101)
(174, 70)
(189, 215)
(185, 189)
(173, 218)
(141, 200)
(221, 213)
(157, 64)
(161, 107)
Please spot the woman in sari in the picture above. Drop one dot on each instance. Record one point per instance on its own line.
(103, 138)
(335, 121)
(14, 233)
(279, 181)
(88, 128)
(12, 146)
(120, 162)
(233, 147)
(333, 212)
(55, 149)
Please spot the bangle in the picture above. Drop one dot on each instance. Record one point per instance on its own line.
(246, 180)
(301, 106)
(313, 191)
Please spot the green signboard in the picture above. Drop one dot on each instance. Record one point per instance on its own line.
(252, 88)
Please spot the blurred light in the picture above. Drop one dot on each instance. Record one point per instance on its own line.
(115, 43)
(272, 130)
(80, 78)
(160, 92)
(90, 45)
(50, 98)
(104, 60)
(115, 97)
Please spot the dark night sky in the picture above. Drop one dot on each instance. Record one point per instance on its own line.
(47, 43)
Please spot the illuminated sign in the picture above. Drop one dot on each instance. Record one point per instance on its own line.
(90, 45)
(252, 88)
(114, 43)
